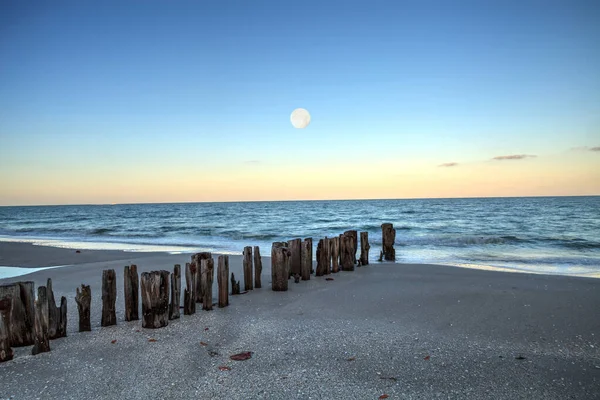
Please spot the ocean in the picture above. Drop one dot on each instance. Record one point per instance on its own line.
(553, 235)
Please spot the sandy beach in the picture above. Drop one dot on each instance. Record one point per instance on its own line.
(402, 330)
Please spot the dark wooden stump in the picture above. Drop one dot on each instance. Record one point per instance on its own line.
(61, 330)
(280, 266)
(83, 299)
(6, 352)
(189, 294)
(155, 299)
(364, 248)
(334, 250)
(208, 276)
(388, 237)
(197, 261)
(247, 263)
(22, 312)
(53, 310)
(235, 285)
(41, 337)
(131, 293)
(354, 235)
(306, 259)
(223, 280)
(109, 297)
(295, 246)
(257, 268)
(174, 312)
(57, 315)
(346, 251)
(323, 258)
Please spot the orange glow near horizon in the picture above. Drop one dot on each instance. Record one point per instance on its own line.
(551, 176)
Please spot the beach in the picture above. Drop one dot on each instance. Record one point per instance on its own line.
(401, 330)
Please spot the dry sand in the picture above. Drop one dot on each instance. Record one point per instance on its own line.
(408, 331)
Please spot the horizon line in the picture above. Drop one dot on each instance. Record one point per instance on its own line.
(293, 200)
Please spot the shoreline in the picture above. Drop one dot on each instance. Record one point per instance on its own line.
(31, 255)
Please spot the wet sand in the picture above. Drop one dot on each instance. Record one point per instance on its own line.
(405, 330)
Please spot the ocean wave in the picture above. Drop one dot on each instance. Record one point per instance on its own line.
(100, 231)
(573, 244)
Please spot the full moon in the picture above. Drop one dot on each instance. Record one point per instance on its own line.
(300, 118)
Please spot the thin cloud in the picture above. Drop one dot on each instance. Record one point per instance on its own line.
(448, 164)
(586, 148)
(513, 157)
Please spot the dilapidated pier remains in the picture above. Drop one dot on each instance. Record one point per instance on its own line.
(26, 320)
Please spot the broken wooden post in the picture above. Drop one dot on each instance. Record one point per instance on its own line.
(364, 248)
(52, 310)
(22, 312)
(41, 338)
(174, 312)
(346, 251)
(109, 297)
(6, 352)
(223, 281)
(197, 261)
(334, 249)
(235, 285)
(354, 235)
(131, 293)
(208, 276)
(57, 315)
(189, 294)
(280, 260)
(155, 299)
(295, 246)
(247, 263)
(388, 237)
(83, 300)
(323, 258)
(306, 259)
(257, 268)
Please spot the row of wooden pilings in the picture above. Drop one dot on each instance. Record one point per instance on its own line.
(25, 321)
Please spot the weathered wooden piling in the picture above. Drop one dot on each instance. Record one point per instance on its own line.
(306, 255)
(197, 260)
(334, 250)
(323, 258)
(6, 352)
(346, 252)
(364, 248)
(208, 276)
(131, 293)
(189, 294)
(155, 299)
(57, 315)
(257, 268)
(83, 299)
(354, 235)
(235, 285)
(295, 246)
(223, 281)
(41, 338)
(174, 312)
(388, 237)
(280, 264)
(109, 297)
(247, 264)
(22, 312)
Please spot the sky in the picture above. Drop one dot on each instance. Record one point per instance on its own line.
(147, 101)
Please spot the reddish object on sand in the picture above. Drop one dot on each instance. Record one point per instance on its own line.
(241, 356)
